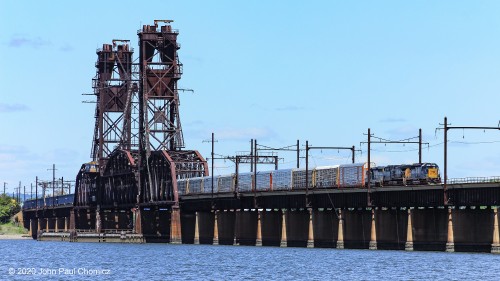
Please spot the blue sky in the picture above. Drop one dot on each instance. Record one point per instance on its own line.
(275, 71)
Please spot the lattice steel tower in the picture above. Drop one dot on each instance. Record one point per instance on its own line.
(114, 87)
(158, 95)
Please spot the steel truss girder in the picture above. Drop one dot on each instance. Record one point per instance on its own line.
(164, 168)
(118, 182)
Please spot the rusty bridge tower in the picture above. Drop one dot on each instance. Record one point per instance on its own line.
(138, 147)
(113, 87)
(161, 155)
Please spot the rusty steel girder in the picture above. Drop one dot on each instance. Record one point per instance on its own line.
(119, 184)
(164, 168)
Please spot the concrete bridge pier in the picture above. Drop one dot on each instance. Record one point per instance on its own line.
(197, 229)
(175, 227)
(258, 240)
(66, 224)
(271, 227)
(340, 233)
(495, 245)
(373, 233)
(310, 231)
(41, 224)
(297, 228)
(215, 241)
(357, 228)
(409, 233)
(283, 238)
(450, 245)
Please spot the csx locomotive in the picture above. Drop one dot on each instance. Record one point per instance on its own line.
(412, 174)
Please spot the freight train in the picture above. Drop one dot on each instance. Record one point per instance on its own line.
(338, 176)
(40, 203)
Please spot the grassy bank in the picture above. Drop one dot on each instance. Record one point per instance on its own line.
(12, 229)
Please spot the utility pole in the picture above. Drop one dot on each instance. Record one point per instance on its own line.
(307, 173)
(368, 172)
(446, 128)
(298, 154)
(212, 159)
(251, 154)
(4, 184)
(53, 179)
(36, 191)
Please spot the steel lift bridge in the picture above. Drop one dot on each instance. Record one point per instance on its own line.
(138, 147)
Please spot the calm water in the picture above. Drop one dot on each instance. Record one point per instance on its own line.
(82, 261)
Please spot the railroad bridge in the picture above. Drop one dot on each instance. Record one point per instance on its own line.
(411, 218)
(134, 188)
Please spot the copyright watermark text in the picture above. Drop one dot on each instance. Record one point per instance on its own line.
(58, 271)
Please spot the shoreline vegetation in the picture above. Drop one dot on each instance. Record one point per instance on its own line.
(13, 231)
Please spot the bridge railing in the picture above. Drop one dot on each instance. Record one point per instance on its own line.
(474, 180)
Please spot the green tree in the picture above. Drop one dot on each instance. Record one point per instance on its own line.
(8, 208)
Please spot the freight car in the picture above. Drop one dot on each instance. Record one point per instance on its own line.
(338, 176)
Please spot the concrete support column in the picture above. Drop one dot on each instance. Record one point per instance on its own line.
(216, 230)
(56, 225)
(340, 238)
(310, 233)
(450, 244)
(409, 234)
(47, 228)
(258, 240)
(39, 225)
(31, 228)
(283, 242)
(495, 246)
(373, 234)
(197, 229)
(66, 224)
(175, 227)
(137, 220)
